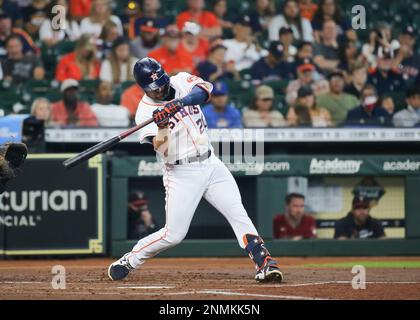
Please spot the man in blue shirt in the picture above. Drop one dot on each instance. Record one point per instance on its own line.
(384, 77)
(219, 113)
(271, 67)
(369, 113)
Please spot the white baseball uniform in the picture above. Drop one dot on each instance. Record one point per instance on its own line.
(185, 184)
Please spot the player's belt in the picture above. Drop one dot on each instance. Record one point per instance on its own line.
(197, 158)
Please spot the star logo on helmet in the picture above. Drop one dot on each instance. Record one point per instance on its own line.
(154, 76)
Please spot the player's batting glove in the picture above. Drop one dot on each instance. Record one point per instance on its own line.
(161, 118)
(172, 107)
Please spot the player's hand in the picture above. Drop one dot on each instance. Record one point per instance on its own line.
(172, 107)
(161, 118)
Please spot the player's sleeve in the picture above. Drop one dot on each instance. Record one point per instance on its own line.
(147, 133)
(189, 81)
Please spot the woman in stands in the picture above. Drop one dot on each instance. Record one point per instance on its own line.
(260, 114)
(306, 112)
(329, 10)
(119, 65)
(108, 35)
(100, 14)
(41, 110)
(52, 35)
(81, 64)
(261, 16)
(290, 17)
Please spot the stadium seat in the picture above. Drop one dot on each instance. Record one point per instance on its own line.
(40, 88)
(8, 100)
(279, 87)
(87, 89)
(126, 84)
(280, 103)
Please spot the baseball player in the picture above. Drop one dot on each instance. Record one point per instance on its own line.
(190, 171)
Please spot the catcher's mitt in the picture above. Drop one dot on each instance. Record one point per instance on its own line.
(12, 156)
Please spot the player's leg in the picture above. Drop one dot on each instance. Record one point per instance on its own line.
(223, 193)
(184, 189)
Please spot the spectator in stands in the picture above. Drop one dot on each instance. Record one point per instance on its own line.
(81, 64)
(243, 49)
(387, 103)
(307, 9)
(272, 67)
(70, 111)
(326, 55)
(119, 65)
(33, 15)
(207, 20)
(379, 37)
(7, 30)
(170, 56)
(51, 36)
(305, 50)
(337, 102)
(149, 16)
(148, 40)
(80, 9)
(10, 9)
(305, 71)
(128, 15)
(384, 77)
(359, 224)
(410, 116)
(358, 79)
(192, 44)
(100, 13)
(348, 55)
(260, 113)
(406, 57)
(131, 97)
(18, 68)
(287, 40)
(220, 10)
(219, 113)
(41, 110)
(106, 39)
(261, 16)
(329, 10)
(215, 68)
(294, 224)
(370, 112)
(107, 113)
(291, 17)
(307, 112)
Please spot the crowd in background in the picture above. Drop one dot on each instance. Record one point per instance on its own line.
(301, 55)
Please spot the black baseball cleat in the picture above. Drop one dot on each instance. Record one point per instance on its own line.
(119, 269)
(270, 272)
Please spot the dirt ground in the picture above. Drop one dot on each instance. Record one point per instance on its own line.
(206, 279)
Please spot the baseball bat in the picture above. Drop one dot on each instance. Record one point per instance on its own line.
(103, 146)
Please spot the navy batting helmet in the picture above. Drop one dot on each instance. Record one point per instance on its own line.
(149, 74)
